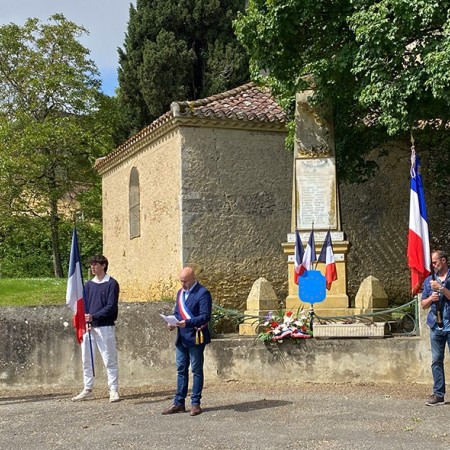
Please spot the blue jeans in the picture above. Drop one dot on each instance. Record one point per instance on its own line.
(193, 356)
(438, 340)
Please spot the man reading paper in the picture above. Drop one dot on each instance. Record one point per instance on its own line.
(193, 311)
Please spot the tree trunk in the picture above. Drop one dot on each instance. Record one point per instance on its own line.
(54, 219)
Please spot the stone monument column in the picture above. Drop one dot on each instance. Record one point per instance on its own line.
(315, 202)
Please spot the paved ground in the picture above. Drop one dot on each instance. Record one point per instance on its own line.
(236, 416)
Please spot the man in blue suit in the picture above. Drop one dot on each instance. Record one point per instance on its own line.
(193, 312)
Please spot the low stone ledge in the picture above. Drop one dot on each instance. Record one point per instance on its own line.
(39, 350)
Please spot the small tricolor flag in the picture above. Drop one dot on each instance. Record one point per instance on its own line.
(419, 258)
(327, 256)
(75, 291)
(309, 256)
(298, 256)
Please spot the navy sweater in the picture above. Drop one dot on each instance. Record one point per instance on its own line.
(102, 300)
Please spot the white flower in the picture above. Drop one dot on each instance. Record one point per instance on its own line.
(288, 320)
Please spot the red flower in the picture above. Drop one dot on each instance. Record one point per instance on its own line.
(289, 313)
(274, 324)
(303, 328)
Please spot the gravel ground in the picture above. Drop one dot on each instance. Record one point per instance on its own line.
(235, 416)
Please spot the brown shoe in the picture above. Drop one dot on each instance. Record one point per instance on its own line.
(195, 410)
(174, 409)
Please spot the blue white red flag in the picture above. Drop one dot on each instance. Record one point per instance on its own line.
(298, 256)
(309, 256)
(75, 290)
(419, 258)
(327, 257)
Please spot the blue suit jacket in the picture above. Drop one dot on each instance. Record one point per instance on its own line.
(199, 303)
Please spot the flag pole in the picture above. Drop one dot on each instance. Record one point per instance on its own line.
(311, 309)
(88, 329)
(88, 324)
(317, 262)
(418, 248)
(311, 317)
(312, 229)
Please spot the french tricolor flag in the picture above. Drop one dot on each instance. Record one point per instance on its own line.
(298, 256)
(309, 256)
(327, 256)
(419, 258)
(75, 291)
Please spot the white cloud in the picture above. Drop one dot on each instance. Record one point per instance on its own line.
(106, 21)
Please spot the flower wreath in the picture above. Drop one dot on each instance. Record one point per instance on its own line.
(279, 326)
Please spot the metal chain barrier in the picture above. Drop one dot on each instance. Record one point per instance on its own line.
(401, 320)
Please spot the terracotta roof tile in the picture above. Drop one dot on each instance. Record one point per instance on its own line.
(248, 103)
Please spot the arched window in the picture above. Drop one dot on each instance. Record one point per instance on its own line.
(135, 204)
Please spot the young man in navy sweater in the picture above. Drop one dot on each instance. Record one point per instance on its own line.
(101, 309)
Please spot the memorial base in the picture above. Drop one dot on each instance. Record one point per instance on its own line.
(342, 330)
(336, 302)
(333, 305)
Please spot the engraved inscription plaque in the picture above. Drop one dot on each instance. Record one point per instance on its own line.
(316, 195)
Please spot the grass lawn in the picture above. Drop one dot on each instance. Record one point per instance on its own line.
(32, 291)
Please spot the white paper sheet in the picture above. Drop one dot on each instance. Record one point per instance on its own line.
(171, 320)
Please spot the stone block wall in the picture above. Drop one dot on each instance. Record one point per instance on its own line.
(375, 217)
(236, 206)
(146, 266)
(38, 350)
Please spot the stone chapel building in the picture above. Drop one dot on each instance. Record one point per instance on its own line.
(207, 184)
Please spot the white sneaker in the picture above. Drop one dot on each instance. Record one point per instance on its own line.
(113, 396)
(83, 395)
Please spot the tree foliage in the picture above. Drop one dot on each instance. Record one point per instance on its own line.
(403, 60)
(383, 63)
(26, 245)
(53, 125)
(176, 50)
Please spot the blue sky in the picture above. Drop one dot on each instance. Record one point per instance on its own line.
(106, 21)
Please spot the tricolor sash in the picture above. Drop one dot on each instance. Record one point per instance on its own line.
(182, 308)
(186, 314)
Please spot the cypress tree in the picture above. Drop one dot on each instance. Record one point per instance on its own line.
(177, 50)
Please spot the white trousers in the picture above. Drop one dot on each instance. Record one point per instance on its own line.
(104, 339)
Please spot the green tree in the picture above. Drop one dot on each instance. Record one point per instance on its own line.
(26, 246)
(381, 62)
(53, 125)
(403, 60)
(176, 50)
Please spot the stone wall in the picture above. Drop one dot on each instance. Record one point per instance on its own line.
(215, 198)
(147, 266)
(38, 350)
(236, 201)
(375, 218)
(220, 199)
